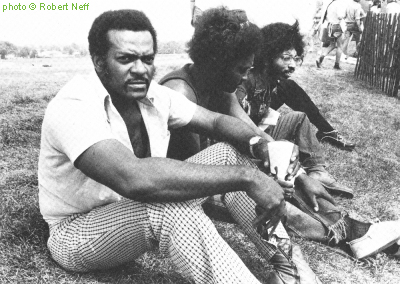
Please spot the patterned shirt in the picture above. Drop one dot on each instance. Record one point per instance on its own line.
(255, 95)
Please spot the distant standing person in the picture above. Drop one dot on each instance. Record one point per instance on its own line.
(316, 23)
(195, 12)
(334, 14)
(366, 5)
(355, 27)
(376, 8)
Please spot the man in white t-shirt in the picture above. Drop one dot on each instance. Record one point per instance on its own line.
(108, 192)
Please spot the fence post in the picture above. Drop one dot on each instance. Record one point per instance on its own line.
(378, 62)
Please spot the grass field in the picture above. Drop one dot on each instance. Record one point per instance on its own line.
(361, 113)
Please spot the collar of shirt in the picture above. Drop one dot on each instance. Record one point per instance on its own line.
(155, 120)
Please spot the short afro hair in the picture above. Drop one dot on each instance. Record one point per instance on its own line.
(222, 37)
(131, 20)
(277, 38)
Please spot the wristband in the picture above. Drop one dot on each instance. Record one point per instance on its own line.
(253, 141)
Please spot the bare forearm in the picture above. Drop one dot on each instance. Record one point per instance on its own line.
(234, 131)
(159, 179)
(166, 180)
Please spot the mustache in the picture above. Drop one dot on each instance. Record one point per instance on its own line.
(138, 80)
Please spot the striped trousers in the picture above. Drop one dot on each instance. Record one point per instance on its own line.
(122, 231)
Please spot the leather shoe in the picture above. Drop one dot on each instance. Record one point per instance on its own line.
(336, 66)
(334, 138)
(329, 182)
(318, 62)
(379, 237)
(291, 269)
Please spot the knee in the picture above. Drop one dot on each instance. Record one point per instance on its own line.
(298, 116)
(226, 154)
(224, 150)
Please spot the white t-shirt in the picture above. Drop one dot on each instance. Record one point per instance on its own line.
(336, 12)
(354, 12)
(375, 9)
(81, 115)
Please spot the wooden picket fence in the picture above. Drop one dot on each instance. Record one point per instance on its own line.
(378, 60)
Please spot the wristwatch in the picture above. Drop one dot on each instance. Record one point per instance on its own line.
(253, 141)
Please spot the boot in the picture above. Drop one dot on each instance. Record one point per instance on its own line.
(289, 264)
(291, 269)
(303, 225)
(329, 225)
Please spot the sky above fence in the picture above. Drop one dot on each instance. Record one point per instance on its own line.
(42, 22)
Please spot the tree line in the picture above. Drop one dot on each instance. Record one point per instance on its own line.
(29, 51)
(7, 48)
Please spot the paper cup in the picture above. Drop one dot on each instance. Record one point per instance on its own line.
(279, 156)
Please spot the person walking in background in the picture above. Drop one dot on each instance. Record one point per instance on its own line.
(376, 7)
(354, 25)
(316, 24)
(195, 13)
(333, 18)
(366, 5)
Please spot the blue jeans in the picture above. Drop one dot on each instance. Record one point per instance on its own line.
(296, 127)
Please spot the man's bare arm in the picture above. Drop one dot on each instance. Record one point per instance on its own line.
(165, 180)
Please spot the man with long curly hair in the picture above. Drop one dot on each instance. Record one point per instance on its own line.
(268, 87)
(282, 51)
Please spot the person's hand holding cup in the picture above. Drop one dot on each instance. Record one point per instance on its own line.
(280, 153)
